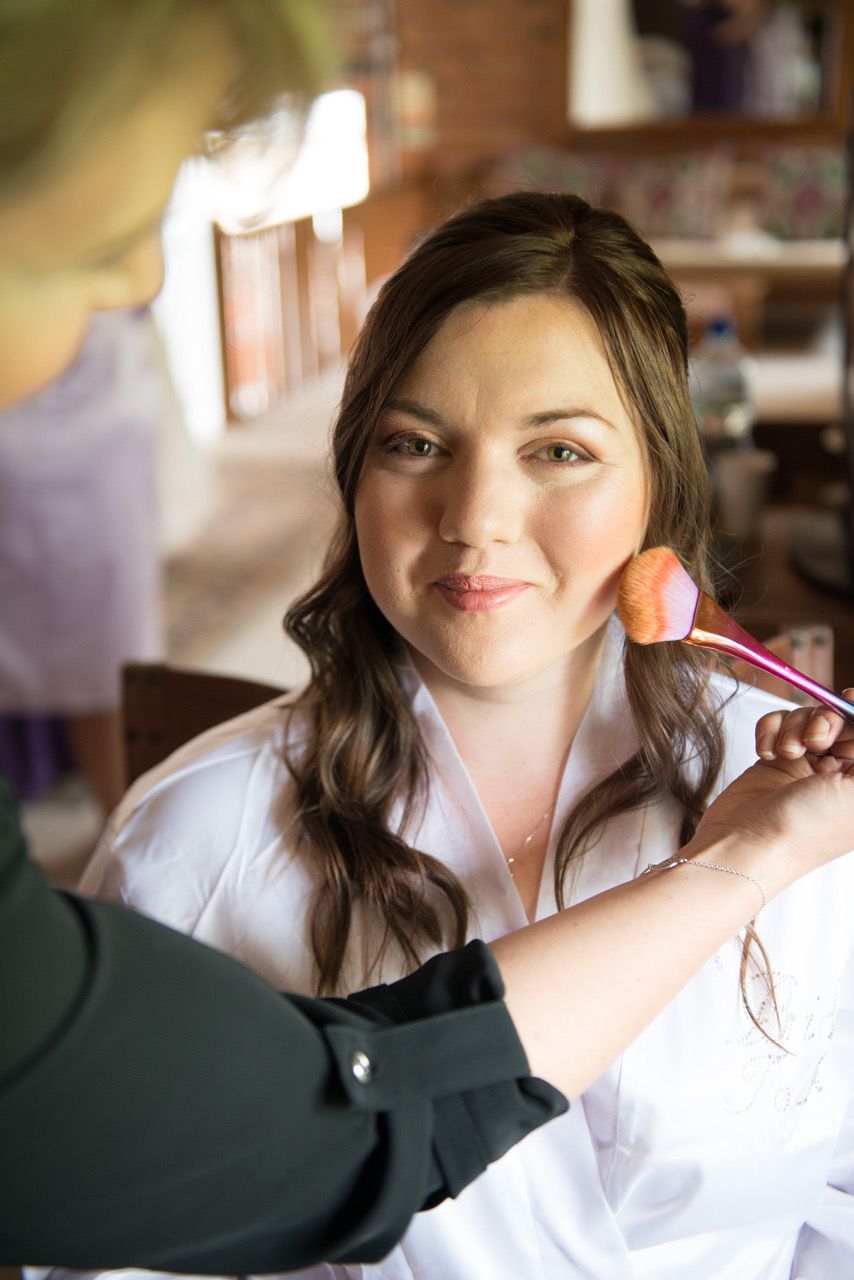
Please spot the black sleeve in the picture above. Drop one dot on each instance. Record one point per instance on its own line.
(162, 1107)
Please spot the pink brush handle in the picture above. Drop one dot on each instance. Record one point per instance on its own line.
(715, 629)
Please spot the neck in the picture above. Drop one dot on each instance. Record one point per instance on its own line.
(525, 728)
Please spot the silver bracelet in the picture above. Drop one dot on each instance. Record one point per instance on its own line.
(676, 861)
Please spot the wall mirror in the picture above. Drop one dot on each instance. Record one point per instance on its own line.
(688, 64)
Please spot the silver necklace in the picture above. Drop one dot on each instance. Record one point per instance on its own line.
(510, 859)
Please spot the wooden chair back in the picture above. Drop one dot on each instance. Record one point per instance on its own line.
(163, 707)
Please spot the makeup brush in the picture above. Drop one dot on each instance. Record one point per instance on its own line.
(657, 600)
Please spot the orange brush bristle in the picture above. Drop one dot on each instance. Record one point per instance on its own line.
(656, 599)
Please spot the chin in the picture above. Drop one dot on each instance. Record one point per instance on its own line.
(487, 668)
(37, 369)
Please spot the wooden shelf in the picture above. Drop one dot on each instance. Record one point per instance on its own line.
(695, 132)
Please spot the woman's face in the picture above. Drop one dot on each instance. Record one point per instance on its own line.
(87, 238)
(502, 493)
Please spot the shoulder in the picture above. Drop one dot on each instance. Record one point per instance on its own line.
(212, 804)
(219, 763)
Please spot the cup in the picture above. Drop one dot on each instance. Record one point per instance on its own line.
(741, 480)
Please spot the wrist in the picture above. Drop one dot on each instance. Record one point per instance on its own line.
(759, 858)
(699, 863)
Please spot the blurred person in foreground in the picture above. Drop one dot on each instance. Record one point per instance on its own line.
(212, 1124)
(79, 557)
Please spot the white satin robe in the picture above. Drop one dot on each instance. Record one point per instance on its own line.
(703, 1153)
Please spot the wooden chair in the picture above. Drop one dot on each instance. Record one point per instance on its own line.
(163, 707)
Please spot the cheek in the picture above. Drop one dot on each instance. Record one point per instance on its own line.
(598, 527)
(375, 530)
(591, 536)
(620, 536)
(391, 540)
(384, 517)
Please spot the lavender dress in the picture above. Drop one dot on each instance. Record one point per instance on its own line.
(78, 528)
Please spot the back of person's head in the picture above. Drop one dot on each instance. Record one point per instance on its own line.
(69, 66)
(100, 103)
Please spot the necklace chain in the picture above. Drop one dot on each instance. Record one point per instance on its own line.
(510, 859)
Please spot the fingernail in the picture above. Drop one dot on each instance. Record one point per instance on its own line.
(791, 748)
(765, 747)
(818, 728)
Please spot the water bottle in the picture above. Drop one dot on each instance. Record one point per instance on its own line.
(720, 388)
(740, 474)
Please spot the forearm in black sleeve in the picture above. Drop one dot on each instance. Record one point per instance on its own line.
(485, 1100)
(162, 1107)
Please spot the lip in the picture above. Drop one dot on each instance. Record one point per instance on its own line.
(479, 593)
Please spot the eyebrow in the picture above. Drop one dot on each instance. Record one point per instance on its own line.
(415, 410)
(542, 419)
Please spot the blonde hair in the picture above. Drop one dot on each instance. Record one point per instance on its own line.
(67, 66)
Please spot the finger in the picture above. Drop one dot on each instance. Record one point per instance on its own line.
(827, 763)
(813, 728)
(767, 729)
(791, 738)
(830, 762)
(843, 748)
(841, 737)
(823, 728)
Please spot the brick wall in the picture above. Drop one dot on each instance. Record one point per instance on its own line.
(499, 68)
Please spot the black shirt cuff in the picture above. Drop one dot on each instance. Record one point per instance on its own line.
(451, 1040)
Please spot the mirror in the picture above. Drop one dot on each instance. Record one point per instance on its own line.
(636, 62)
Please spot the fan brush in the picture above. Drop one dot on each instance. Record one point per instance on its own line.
(657, 600)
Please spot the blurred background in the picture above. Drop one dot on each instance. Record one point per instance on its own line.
(720, 129)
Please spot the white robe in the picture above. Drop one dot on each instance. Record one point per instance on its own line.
(703, 1153)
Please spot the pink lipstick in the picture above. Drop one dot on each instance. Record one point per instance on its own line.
(478, 593)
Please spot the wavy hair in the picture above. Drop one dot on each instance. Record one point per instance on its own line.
(364, 752)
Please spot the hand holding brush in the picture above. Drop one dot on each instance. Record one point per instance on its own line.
(658, 600)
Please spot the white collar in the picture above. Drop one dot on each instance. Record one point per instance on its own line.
(605, 739)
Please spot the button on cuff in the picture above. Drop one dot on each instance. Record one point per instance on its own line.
(360, 1066)
(432, 1057)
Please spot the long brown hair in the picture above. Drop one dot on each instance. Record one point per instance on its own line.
(364, 752)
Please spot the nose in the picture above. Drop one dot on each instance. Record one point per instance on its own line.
(481, 505)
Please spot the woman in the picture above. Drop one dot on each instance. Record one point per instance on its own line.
(237, 1129)
(477, 746)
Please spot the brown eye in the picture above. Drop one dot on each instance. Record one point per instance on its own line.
(416, 447)
(562, 453)
(403, 446)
